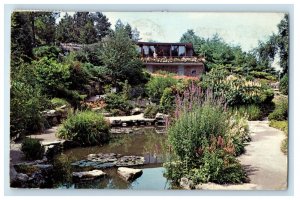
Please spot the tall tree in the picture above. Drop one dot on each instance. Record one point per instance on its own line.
(277, 44)
(101, 24)
(65, 30)
(120, 57)
(191, 37)
(283, 43)
(21, 38)
(45, 27)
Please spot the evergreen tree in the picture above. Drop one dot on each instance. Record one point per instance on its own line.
(21, 38)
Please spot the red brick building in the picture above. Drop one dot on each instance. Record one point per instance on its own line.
(177, 58)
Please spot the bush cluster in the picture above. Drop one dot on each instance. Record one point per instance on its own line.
(236, 89)
(117, 104)
(32, 149)
(156, 86)
(281, 110)
(151, 111)
(204, 141)
(251, 112)
(85, 127)
(284, 85)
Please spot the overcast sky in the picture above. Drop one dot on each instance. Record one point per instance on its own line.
(244, 29)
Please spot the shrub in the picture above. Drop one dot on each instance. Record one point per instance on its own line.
(281, 110)
(156, 86)
(281, 125)
(193, 130)
(151, 111)
(284, 85)
(218, 167)
(236, 89)
(251, 112)
(116, 101)
(51, 74)
(63, 170)
(46, 51)
(284, 146)
(204, 139)
(32, 149)
(85, 127)
(26, 104)
(167, 101)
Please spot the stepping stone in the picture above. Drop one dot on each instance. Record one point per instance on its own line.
(88, 175)
(129, 174)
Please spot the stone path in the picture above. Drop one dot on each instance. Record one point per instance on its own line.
(47, 136)
(264, 162)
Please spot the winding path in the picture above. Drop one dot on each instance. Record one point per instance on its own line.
(265, 163)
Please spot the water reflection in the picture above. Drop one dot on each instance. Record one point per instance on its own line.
(145, 142)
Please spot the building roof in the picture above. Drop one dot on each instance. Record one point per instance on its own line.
(166, 44)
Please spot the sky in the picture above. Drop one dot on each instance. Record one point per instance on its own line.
(244, 29)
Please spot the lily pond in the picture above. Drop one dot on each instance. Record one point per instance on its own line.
(147, 142)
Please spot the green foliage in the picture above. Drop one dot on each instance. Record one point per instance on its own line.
(21, 38)
(63, 170)
(251, 112)
(194, 129)
(26, 103)
(236, 89)
(156, 86)
(82, 27)
(116, 101)
(51, 52)
(263, 75)
(119, 55)
(85, 127)
(51, 75)
(281, 110)
(167, 101)
(151, 111)
(284, 85)
(32, 149)
(281, 125)
(79, 77)
(218, 167)
(284, 146)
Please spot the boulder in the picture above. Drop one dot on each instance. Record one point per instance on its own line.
(129, 174)
(52, 150)
(136, 111)
(186, 184)
(88, 175)
(22, 177)
(160, 116)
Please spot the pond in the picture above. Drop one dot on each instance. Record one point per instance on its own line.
(147, 142)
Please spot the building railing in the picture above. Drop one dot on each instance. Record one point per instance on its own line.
(180, 59)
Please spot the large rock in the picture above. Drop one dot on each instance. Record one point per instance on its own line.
(88, 175)
(136, 111)
(129, 174)
(186, 184)
(22, 177)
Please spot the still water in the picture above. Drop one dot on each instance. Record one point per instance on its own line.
(147, 142)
